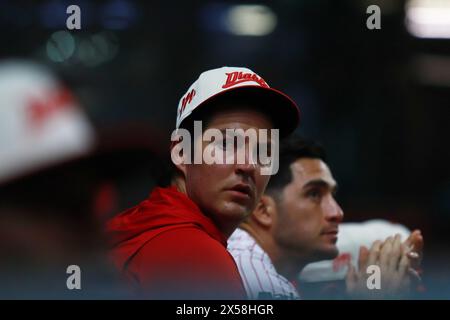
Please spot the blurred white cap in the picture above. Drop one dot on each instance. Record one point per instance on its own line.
(351, 237)
(40, 123)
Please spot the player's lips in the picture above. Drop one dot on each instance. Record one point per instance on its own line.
(331, 234)
(331, 231)
(242, 190)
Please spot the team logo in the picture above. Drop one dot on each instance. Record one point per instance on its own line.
(236, 77)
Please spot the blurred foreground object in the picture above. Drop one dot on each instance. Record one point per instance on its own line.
(350, 238)
(52, 197)
(40, 122)
(325, 279)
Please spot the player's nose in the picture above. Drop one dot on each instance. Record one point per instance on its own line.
(246, 165)
(335, 212)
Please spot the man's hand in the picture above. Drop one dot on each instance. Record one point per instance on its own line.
(415, 244)
(391, 256)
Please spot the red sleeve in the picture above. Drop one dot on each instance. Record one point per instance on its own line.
(187, 263)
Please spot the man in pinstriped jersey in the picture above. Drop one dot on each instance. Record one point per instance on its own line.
(295, 223)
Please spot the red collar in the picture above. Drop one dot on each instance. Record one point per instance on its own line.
(181, 205)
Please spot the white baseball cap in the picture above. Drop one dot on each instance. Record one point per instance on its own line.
(41, 124)
(240, 82)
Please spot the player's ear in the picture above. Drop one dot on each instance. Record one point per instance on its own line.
(265, 211)
(180, 149)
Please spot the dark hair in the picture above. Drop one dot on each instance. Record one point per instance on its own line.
(293, 148)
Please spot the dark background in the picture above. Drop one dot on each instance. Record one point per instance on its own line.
(378, 100)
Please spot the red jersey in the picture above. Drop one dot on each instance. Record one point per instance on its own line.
(167, 248)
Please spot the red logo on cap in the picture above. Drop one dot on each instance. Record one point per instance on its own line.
(41, 110)
(236, 77)
(186, 100)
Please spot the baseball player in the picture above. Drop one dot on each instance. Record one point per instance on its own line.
(173, 244)
(295, 223)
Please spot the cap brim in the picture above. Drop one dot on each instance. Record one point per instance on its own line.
(281, 109)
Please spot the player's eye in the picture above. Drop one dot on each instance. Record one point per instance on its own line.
(262, 154)
(314, 194)
(222, 143)
(239, 142)
(265, 148)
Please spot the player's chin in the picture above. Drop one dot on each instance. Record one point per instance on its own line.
(235, 209)
(329, 251)
(238, 202)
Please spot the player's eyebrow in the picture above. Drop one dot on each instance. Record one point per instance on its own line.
(226, 133)
(321, 184)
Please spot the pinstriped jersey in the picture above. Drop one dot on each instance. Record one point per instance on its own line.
(260, 278)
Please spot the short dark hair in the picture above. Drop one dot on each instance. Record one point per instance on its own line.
(293, 148)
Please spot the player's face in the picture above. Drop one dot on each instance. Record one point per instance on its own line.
(229, 192)
(307, 213)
